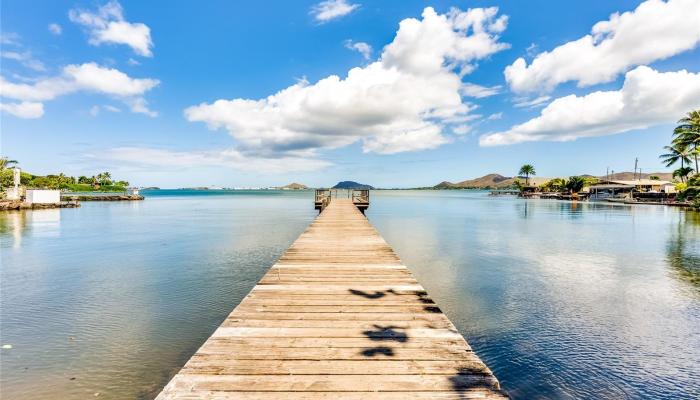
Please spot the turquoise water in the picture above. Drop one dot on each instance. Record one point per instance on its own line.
(561, 300)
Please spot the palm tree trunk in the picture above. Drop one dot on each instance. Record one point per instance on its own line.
(682, 178)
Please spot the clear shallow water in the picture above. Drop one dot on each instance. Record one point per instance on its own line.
(561, 300)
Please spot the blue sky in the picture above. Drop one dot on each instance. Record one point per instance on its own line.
(132, 87)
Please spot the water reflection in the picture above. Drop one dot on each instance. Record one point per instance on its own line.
(560, 299)
(523, 210)
(45, 222)
(683, 248)
(113, 298)
(12, 224)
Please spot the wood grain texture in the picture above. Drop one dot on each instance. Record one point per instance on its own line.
(337, 317)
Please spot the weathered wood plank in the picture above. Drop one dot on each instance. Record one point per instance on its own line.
(205, 364)
(337, 317)
(339, 383)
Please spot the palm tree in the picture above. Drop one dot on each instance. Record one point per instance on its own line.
(682, 173)
(575, 184)
(6, 162)
(676, 152)
(527, 170)
(104, 178)
(687, 134)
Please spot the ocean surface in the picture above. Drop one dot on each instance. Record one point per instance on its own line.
(561, 300)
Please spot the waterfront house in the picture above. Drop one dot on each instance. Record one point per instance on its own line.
(632, 188)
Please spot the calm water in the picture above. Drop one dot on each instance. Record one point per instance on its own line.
(561, 300)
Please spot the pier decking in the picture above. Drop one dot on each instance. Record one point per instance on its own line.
(337, 317)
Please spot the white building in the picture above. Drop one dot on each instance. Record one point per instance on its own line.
(35, 196)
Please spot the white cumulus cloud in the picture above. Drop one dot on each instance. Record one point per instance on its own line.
(24, 58)
(95, 110)
(495, 116)
(401, 102)
(332, 9)
(655, 30)
(360, 47)
(647, 97)
(107, 25)
(478, 91)
(88, 77)
(525, 102)
(154, 157)
(55, 29)
(24, 109)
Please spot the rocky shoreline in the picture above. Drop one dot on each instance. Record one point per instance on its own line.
(106, 197)
(8, 205)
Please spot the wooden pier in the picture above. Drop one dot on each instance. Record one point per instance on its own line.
(359, 197)
(337, 317)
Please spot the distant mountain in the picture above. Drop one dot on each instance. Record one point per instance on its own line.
(629, 176)
(294, 186)
(490, 181)
(351, 185)
(496, 181)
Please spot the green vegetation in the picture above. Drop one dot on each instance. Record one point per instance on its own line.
(527, 170)
(687, 135)
(554, 185)
(101, 182)
(573, 185)
(684, 149)
(675, 153)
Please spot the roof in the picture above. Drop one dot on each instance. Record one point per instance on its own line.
(640, 182)
(611, 186)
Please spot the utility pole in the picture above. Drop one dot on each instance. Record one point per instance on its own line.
(607, 174)
(634, 176)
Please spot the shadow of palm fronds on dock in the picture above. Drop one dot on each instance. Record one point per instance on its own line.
(387, 333)
(468, 382)
(373, 351)
(376, 295)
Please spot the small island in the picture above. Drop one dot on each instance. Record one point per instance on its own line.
(351, 185)
(294, 186)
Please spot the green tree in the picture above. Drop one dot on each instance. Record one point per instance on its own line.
(104, 178)
(43, 182)
(518, 185)
(527, 170)
(575, 184)
(554, 185)
(676, 152)
(687, 134)
(653, 178)
(87, 180)
(682, 173)
(6, 163)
